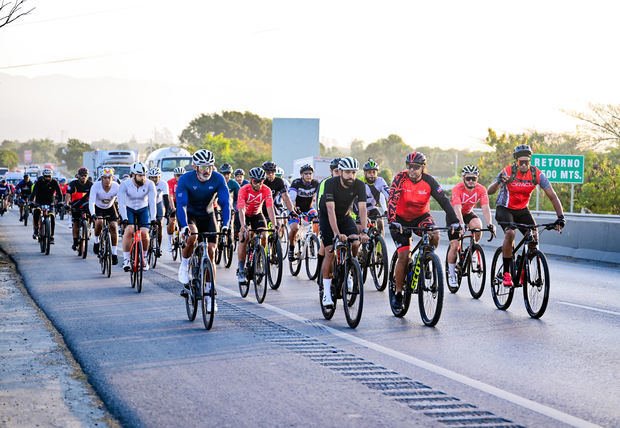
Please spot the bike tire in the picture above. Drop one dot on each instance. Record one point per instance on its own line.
(502, 296)
(229, 251)
(379, 264)
(132, 262)
(139, 268)
(353, 301)
(175, 249)
(275, 260)
(84, 237)
(261, 272)
(476, 271)
(42, 236)
(392, 290)
(208, 310)
(363, 257)
(26, 218)
(536, 289)
(430, 295)
(244, 288)
(447, 272)
(328, 313)
(295, 265)
(108, 254)
(312, 253)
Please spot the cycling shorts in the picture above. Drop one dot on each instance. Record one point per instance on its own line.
(467, 218)
(402, 239)
(204, 223)
(106, 212)
(253, 222)
(140, 216)
(505, 215)
(160, 210)
(346, 226)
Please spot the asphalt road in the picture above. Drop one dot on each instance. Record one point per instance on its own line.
(282, 364)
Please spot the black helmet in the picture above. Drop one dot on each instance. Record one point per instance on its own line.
(306, 167)
(522, 150)
(226, 168)
(416, 157)
(26, 176)
(239, 171)
(269, 166)
(334, 163)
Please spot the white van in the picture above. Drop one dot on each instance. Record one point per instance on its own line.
(167, 159)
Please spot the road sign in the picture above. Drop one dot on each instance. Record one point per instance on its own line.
(560, 168)
(27, 156)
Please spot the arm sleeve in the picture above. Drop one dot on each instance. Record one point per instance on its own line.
(440, 196)
(292, 193)
(122, 200)
(328, 191)
(182, 199)
(223, 200)
(59, 192)
(243, 194)
(268, 198)
(152, 201)
(385, 189)
(395, 191)
(167, 202)
(91, 198)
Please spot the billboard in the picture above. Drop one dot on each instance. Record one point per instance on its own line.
(293, 139)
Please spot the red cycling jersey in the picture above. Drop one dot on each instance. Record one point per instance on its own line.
(468, 199)
(253, 201)
(172, 188)
(516, 194)
(63, 188)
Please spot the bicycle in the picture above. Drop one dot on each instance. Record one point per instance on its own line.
(256, 268)
(535, 284)
(306, 248)
(283, 232)
(346, 267)
(105, 247)
(373, 255)
(274, 259)
(136, 257)
(470, 263)
(62, 211)
(83, 234)
(3, 205)
(224, 249)
(154, 250)
(176, 241)
(24, 210)
(423, 277)
(45, 227)
(200, 271)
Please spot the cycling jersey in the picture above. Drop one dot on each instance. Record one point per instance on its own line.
(5, 190)
(100, 198)
(162, 189)
(63, 188)
(253, 201)
(342, 196)
(172, 188)
(374, 191)
(276, 186)
(302, 193)
(78, 190)
(409, 200)
(44, 191)
(516, 194)
(25, 189)
(134, 197)
(198, 197)
(233, 189)
(468, 199)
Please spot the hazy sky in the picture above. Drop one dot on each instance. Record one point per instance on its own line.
(436, 73)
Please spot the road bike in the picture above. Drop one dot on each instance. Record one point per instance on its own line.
(346, 284)
(283, 232)
(530, 271)
(83, 234)
(423, 277)
(274, 260)
(45, 226)
(3, 204)
(176, 241)
(154, 251)
(24, 210)
(256, 268)
(136, 257)
(202, 281)
(224, 249)
(105, 247)
(470, 263)
(373, 256)
(305, 248)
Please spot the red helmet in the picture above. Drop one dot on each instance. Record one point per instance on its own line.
(416, 157)
(82, 171)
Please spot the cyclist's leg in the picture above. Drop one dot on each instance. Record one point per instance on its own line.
(503, 216)
(348, 226)
(293, 225)
(524, 216)
(36, 217)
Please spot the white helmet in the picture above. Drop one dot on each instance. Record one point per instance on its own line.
(203, 157)
(47, 172)
(137, 168)
(179, 170)
(348, 164)
(154, 172)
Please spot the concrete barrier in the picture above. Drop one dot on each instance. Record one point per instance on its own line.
(586, 236)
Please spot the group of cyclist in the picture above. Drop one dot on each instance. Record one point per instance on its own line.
(206, 200)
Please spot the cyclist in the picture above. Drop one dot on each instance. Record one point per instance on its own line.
(409, 205)
(63, 186)
(375, 186)
(335, 220)
(137, 202)
(5, 191)
(239, 177)
(196, 194)
(172, 192)
(335, 172)
(302, 193)
(516, 183)
(45, 192)
(77, 198)
(277, 187)
(163, 201)
(249, 212)
(465, 196)
(101, 204)
(23, 189)
(233, 186)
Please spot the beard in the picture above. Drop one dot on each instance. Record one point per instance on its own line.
(139, 182)
(371, 180)
(348, 182)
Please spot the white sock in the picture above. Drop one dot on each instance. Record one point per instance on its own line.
(451, 268)
(114, 249)
(96, 239)
(327, 283)
(144, 255)
(126, 255)
(169, 238)
(184, 261)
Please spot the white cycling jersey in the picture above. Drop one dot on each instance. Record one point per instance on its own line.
(134, 197)
(162, 189)
(98, 196)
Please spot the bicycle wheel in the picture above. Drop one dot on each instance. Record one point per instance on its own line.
(84, 237)
(536, 291)
(229, 250)
(283, 237)
(311, 256)
(108, 254)
(275, 263)
(260, 273)
(476, 271)
(208, 308)
(218, 251)
(392, 290)
(244, 287)
(132, 262)
(175, 248)
(379, 264)
(295, 265)
(101, 254)
(447, 272)
(353, 296)
(26, 217)
(328, 313)
(42, 236)
(502, 296)
(139, 267)
(430, 290)
(156, 251)
(363, 258)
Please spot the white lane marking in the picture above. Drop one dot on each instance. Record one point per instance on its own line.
(606, 311)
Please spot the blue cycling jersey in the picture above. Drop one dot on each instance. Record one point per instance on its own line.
(4, 190)
(197, 197)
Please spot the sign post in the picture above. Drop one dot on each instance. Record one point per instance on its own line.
(561, 169)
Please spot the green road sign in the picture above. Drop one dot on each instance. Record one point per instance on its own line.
(560, 168)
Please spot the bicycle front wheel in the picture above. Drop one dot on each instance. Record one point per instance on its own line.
(84, 237)
(379, 264)
(447, 271)
(430, 289)
(101, 254)
(536, 291)
(392, 290)
(208, 293)
(260, 273)
(476, 271)
(138, 266)
(353, 292)
(175, 248)
(228, 251)
(502, 296)
(312, 261)
(219, 250)
(108, 254)
(191, 301)
(275, 263)
(328, 312)
(48, 235)
(295, 264)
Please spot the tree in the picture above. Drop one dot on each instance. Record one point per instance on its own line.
(231, 124)
(240, 154)
(12, 12)
(8, 159)
(601, 127)
(71, 154)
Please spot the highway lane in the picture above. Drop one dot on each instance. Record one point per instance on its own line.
(151, 366)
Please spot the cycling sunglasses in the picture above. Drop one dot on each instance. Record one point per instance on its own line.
(414, 166)
(473, 178)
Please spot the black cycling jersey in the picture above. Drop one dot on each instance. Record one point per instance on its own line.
(25, 189)
(276, 186)
(44, 191)
(343, 197)
(303, 193)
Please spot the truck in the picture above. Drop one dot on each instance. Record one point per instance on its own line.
(120, 160)
(167, 159)
(320, 164)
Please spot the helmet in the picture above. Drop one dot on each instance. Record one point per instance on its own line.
(370, 165)
(348, 164)
(334, 163)
(239, 171)
(416, 157)
(257, 174)
(306, 167)
(107, 172)
(26, 176)
(522, 150)
(470, 169)
(82, 171)
(46, 172)
(137, 168)
(203, 157)
(279, 172)
(269, 166)
(226, 168)
(179, 170)
(154, 172)
(62, 180)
